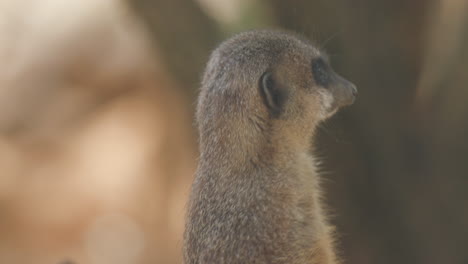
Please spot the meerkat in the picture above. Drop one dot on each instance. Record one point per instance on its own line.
(256, 196)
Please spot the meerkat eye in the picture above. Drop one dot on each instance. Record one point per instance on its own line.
(321, 72)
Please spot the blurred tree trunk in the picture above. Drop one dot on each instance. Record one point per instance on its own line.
(182, 33)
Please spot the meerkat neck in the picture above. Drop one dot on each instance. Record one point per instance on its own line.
(250, 142)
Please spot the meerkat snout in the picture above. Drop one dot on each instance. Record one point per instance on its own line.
(341, 92)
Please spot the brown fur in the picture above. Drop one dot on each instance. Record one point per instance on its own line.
(256, 194)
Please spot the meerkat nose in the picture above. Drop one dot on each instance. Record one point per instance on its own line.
(354, 92)
(354, 89)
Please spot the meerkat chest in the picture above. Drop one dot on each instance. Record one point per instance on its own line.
(306, 191)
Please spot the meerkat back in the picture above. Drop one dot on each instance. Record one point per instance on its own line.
(256, 193)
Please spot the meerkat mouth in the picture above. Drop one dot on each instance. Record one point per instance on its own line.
(332, 102)
(343, 94)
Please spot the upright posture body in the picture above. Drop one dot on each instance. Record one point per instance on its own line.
(256, 196)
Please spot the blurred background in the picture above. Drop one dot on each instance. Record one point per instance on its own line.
(98, 145)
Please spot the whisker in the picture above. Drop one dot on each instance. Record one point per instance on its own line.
(322, 46)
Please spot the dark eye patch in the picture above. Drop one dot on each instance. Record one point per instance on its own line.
(321, 72)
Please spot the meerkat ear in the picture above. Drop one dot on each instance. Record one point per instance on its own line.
(274, 96)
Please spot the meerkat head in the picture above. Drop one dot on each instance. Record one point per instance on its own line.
(271, 77)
